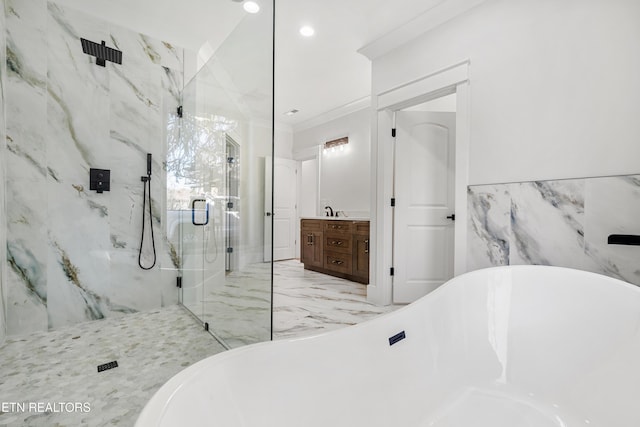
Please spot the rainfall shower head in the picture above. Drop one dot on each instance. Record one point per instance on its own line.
(101, 52)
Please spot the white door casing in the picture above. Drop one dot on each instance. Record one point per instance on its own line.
(423, 241)
(284, 209)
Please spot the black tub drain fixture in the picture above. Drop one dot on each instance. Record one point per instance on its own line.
(397, 338)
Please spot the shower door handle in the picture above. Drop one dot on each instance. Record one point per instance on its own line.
(193, 212)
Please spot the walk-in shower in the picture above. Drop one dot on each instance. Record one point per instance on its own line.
(193, 237)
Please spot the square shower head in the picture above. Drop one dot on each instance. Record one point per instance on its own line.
(101, 52)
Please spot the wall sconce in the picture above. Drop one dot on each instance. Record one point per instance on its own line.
(336, 144)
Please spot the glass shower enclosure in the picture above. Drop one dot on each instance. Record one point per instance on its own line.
(222, 137)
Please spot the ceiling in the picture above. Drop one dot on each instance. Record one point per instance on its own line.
(314, 75)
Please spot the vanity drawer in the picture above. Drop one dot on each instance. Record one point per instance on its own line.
(311, 224)
(338, 262)
(338, 243)
(361, 228)
(338, 227)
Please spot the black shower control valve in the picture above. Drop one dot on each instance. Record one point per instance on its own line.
(99, 180)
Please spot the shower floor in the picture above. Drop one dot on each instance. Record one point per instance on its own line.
(60, 367)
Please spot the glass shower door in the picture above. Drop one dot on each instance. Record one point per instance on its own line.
(216, 182)
(191, 255)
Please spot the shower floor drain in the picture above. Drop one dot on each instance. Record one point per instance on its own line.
(107, 366)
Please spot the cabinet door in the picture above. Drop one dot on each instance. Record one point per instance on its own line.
(311, 252)
(361, 256)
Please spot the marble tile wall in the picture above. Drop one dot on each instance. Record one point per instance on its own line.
(72, 253)
(563, 222)
(3, 139)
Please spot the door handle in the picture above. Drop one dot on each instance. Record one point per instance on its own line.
(193, 212)
(366, 246)
(268, 214)
(452, 217)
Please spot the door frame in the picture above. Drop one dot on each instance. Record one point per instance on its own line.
(452, 79)
(308, 153)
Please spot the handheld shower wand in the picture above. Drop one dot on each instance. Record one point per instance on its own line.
(146, 180)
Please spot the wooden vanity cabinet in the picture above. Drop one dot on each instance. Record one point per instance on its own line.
(361, 250)
(311, 245)
(343, 250)
(338, 246)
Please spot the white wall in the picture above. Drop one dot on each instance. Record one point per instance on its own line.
(344, 176)
(551, 85)
(308, 195)
(283, 141)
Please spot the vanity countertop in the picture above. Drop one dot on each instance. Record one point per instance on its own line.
(339, 218)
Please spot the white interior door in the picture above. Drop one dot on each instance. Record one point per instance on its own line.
(424, 193)
(284, 209)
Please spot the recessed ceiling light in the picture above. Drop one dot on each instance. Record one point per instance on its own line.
(251, 7)
(307, 31)
(291, 112)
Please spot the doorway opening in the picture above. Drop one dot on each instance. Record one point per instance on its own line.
(424, 197)
(451, 80)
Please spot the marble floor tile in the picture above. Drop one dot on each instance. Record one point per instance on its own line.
(308, 303)
(150, 347)
(61, 366)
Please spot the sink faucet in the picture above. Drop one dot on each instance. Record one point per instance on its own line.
(330, 209)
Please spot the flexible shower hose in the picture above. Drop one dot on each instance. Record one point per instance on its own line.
(145, 180)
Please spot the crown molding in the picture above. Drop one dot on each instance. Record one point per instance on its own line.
(419, 25)
(336, 113)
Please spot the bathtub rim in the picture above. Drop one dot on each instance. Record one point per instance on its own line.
(158, 404)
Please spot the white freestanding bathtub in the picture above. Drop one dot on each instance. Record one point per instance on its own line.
(503, 347)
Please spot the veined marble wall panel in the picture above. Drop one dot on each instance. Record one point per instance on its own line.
(26, 173)
(78, 266)
(73, 253)
(555, 210)
(490, 226)
(135, 131)
(25, 101)
(3, 155)
(613, 207)
(563, 222)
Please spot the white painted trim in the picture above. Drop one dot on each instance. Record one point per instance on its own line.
(437, 84)
(463, 120)
(336, 113)
(426, 21)
(379, 290)
(307, 153)
(448, 80)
